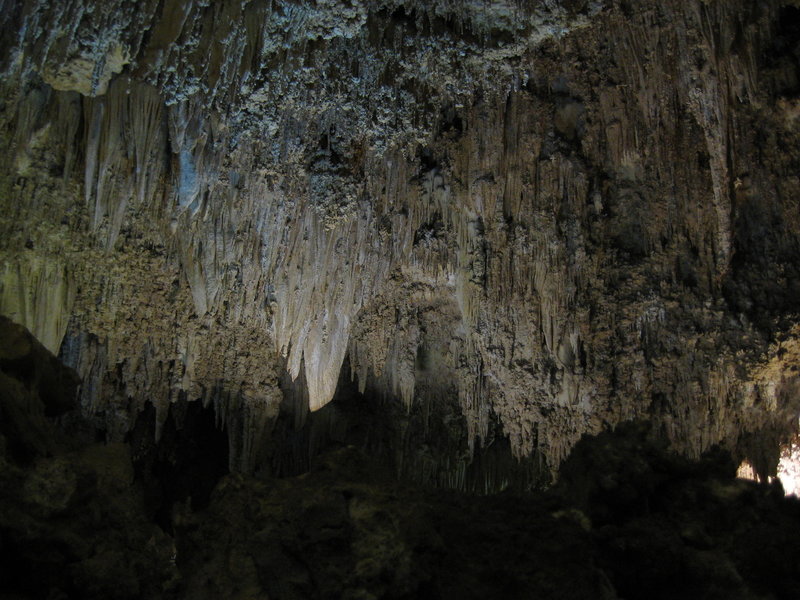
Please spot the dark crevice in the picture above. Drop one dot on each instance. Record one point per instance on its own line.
(184, 464)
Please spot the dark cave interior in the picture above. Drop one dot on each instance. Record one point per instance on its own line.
(333, 299)
(627, 518)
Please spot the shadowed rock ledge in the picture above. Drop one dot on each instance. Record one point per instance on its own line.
(626, 520)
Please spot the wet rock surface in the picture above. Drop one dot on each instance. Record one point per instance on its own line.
(627, 519)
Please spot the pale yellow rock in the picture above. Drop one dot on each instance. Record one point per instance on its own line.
(36, 292)
(85, 74)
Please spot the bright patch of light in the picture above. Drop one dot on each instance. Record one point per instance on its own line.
(746, 471)
(789, 469)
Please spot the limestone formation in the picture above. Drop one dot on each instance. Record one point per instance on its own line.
(89, 520)
(556, 215)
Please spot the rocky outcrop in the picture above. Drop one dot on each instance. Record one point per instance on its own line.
(161, 519)
(72, 523)
(557, 216)
(34, 387)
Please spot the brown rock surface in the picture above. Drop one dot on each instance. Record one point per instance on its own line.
(626, 520)
(555, 216)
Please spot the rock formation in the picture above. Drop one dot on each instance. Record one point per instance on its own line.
(88, 520)
(528, 220)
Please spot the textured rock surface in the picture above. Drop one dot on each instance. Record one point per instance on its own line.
(34, 385)
(72, 523)
(555, 216)
(626, 520)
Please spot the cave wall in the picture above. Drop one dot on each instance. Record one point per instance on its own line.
(558, 216)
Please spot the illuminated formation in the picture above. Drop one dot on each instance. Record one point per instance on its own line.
(560, 216)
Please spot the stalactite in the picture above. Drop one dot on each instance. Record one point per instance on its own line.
(39, 294)
(272, 185)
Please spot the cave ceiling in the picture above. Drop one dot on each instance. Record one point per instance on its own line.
(556, 215)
